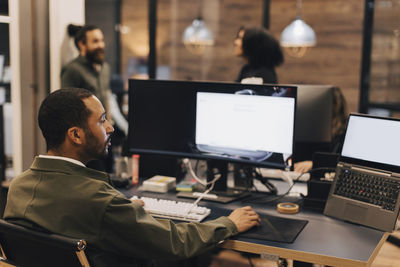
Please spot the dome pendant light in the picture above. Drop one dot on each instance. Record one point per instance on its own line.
(298, 36)
(197, 37)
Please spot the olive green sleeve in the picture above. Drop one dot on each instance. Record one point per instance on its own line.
(129, 230)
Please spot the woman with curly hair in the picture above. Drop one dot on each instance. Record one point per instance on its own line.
(262, 53)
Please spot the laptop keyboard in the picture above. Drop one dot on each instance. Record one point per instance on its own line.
(374, 189)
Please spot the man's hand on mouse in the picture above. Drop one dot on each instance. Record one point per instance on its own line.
(245, 218)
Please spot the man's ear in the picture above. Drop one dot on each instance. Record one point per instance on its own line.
(82, 47)
(76, 135)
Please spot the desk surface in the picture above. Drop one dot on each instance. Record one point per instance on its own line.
(324, 240)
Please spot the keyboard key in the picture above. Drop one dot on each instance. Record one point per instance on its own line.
(376, 190)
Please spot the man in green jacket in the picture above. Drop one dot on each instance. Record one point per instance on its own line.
(90, 71)
(59, 194)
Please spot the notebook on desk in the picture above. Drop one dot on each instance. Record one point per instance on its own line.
(366, 186)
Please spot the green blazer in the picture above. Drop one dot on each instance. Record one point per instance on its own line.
(75, 201)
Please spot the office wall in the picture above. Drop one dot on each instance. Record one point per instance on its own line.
(61, 13)
(29, 79)
(335, 60)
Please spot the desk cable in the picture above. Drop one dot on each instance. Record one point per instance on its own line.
(211, 183)
(261, 200)
(272, 190)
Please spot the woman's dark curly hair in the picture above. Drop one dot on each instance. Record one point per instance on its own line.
(261, 48)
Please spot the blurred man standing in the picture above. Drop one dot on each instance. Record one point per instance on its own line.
(90, 71)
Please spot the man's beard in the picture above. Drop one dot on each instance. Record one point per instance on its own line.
(96, 56)
(94, 148)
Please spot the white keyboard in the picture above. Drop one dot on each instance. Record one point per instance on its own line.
(170, 209)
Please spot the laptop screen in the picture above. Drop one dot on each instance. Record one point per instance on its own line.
(373, 139)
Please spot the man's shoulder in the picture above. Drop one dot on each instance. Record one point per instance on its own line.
(87, 180)
(58, 168)
(106, 65)
(74, 65)
(22, 176)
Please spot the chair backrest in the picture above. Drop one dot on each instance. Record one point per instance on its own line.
(29, 248)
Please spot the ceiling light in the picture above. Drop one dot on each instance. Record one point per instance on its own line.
(298, 36)
(197, 37)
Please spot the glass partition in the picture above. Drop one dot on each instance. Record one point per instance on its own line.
(174, 61)
(385, 56)
(3, 7)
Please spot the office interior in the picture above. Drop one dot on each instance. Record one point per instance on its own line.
(357, 50)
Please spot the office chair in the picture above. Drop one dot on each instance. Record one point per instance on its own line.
(24, 247)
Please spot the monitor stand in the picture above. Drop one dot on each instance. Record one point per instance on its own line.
(220, 193)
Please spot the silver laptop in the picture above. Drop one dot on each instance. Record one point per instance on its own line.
(367, 182)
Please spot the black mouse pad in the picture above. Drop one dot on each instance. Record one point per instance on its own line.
(277, 229)
(272, 228)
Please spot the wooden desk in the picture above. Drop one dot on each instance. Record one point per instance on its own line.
(324, 240)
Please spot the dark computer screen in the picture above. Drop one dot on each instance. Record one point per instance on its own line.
(314, 113)
(313, 120)
(240, 123)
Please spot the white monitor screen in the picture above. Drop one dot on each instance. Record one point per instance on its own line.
(245, 122)
(373, 139)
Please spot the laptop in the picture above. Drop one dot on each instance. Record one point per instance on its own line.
(366, 186)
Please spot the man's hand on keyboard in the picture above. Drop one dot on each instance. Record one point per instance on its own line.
(244, 218)
(141, 202)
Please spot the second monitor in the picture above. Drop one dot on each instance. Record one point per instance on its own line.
(219, 122)
(314, 114)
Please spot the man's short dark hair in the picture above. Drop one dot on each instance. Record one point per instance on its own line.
(60, 111)
(81, 34)
(261, 48)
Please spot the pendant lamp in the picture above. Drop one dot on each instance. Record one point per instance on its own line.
(298, 36)
(197, 36)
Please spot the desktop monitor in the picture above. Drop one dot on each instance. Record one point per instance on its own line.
(215, 121)
(313, 120)
(314, 113)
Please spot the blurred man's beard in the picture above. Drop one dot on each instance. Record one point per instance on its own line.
(96, 56)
